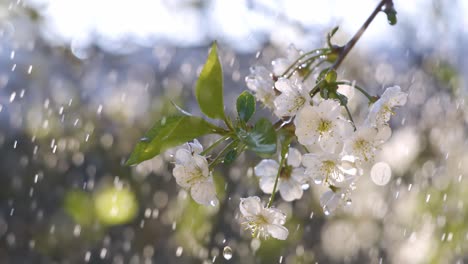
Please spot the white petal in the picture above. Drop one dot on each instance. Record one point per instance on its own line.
(278, 231)
(331, 144)
(201, 163)
(183, 156)
(383, 134)
(298, 175)
(290, 190)
(204, 193)
(330, 201)
(181, 176)
(267, 184)
(196, 146)
(250, 206)
(284, 86)
(294, 157)
(267, 168)
(274, 216)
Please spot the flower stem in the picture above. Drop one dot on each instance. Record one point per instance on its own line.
(349, 46)
(216, 143)
(221, 154)
(283, 159)
(319, 52)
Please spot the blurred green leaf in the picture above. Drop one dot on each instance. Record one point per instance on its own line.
(209, 87)
(77, 205)
(114, 206)
(245, 106)
(169, 132)
(262, 138)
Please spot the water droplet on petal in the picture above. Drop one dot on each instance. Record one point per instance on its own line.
(227, 253)
(325, 210)
(213, 202)
(349, 201)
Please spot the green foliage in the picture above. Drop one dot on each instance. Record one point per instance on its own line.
(114, 206)
(170, 132)
(77, 205)
(209, 88)
(245, 106)
(230, 156)
(262, 137)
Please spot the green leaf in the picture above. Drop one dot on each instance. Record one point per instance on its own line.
(169, 132)
(77, 204)
(262, 138)
(230, 156)
(245, 106)
(209, 88)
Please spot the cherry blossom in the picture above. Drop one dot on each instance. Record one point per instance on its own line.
(192, 173)
(381, 111)
(263, 222)
(291, 177)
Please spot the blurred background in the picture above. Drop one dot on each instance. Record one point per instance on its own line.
(81, 81)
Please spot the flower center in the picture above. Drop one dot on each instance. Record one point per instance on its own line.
(324, 126)
(363, 147)
(196, 176)
(285, 172)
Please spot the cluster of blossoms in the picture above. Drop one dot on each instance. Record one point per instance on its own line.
(337, 149)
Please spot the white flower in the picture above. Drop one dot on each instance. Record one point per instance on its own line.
(381, 111)
(366, 141)
(331, 199)
(292, 98)
(322, 124)
(261, 82)
(263, 222)
(280, 65)
(291, 176)
(191, 172)
(324, 167)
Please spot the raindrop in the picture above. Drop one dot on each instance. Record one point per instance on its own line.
(103, 253)
(12, 97)
(213, 202)
(227, 253)
(14, 67)
(281, 259)
(428, 197)
(99, 110)
(179, 251)
(144, 139)
(30, 69)
(305, 186)
(12, 55)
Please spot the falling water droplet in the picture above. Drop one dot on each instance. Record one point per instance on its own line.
(144, 139)
(305, 186)
(349, 201)
(179, 251)
(227, 253)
